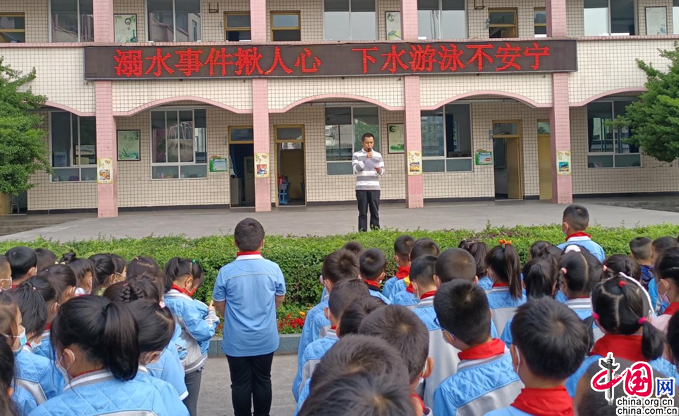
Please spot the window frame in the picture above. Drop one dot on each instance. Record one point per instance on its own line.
(17, 14)
(535, 25)
(77, 5)
(174, 22)
(289, 13)
(616, 139)
(513, 10)
(179, 163)
(353, 135)
(440, 17)
(377, 26)
(241, 127)
(445, 157)
(609, 22)
(70, 149)
(228, 29)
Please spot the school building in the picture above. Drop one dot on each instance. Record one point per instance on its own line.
(192, 103)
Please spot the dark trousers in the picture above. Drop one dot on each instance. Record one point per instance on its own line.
(368, 200)
(192, 381)
(251, 382)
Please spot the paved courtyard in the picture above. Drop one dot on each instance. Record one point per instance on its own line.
(338, 219)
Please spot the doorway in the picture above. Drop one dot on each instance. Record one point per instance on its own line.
(241, 155)
(507, 149)
(290, 182)
(545, 159)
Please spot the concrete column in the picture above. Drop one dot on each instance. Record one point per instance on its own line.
(107, 194)
(559, 118)
(258, 20)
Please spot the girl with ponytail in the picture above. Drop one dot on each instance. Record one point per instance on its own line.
(507, 294)
(7, 404)
(667, 276)
(479, 250)
(97, 351)
(621, 308)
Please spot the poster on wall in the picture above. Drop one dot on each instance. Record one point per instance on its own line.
(104, 170)
(394, 26)
(261, 165)
(563, 162)
(396, 138)
(129, 145)
(656, 20)
(484, 157)
(125, 27)
(218, 164)
(414, 162)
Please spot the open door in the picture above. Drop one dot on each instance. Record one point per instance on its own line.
(290, 165)
(508, 169)
(241, 155)
(545, 160)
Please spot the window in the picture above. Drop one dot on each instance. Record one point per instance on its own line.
(540, 22)
(447, 139)
(174, 20)
(610, 17)
(72, 20)
(12, 28)
(502, 23)
(73, 143)
(349, 20)
(237, 27)
(285, 26)
(441, 19)
(675, 16)
(178, 144)
(344, 128)
(607, 145)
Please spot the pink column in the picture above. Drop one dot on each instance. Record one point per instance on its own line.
(107, 194)
(559, 119)
(409, 20)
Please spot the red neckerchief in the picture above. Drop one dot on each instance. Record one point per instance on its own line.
(409, 288)
(500, 284)
(403, 272)
(182, 290)
(545, 402)
(428, 295)
(672, 309)
(334, 327)
(248, 253)
(14, 286)
(480, 352)
(622, 346)
(419, 400)
(372, 285)
(579, 234)
(48, 327)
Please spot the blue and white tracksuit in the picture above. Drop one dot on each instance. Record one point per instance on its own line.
(38, 376)
(404, 298)
(169, 368)
(311, 357)
(503, 306)
(172, 401)
(486, 283)
(316, 326)
(45, 348)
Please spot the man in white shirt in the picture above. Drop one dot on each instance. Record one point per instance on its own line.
(368, 166)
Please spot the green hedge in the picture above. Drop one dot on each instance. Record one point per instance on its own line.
(301, 258)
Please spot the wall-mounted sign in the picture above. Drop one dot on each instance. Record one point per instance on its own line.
(341, 59)
(218, 164)
(414, 162)
(484, 157)
(656, 20)
(129, 145)
(125, 27)
(396, 138)
(261, 165)
(393, 25)
(563, 162)
(104, 170)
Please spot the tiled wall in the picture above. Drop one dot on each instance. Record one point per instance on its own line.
(477, 18)
(37, 17)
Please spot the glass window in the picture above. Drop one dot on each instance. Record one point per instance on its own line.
(502, 23)
(72, 20)
(174, 20)
(675, 15)
(285, 26)
(349, 20)
(607, 146)
(432, 133)
(178, 144)
(609, 17)
(540, 22)
(237, 27)
(241, 135)
(73, 147)
(12, 28)
(622, 17)
(447, 139)
(344, 130)
(441, 19)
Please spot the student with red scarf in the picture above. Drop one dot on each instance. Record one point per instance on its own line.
(667, 276)
(402, 248)
(575, 223)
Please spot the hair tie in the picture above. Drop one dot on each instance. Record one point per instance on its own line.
(605, 268)
(564, 271)
(573, 247)
(193, 261)
(622, 283)
(505, 243)
(595, 316)
(641, 321)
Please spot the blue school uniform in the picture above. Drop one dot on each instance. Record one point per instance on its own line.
(374, 292)
(38, 376)
(587, 243)
(100, 393)
(303, 395)
(45, 348)
(198, 327)
(389, 286)
(170, 369)
(23, 400)
(647, 274)
(398, 287)
(311, 357)
(316, 325)
(657, 303)
(179, 343)
(169, 394)
(249, 285)
(486, 283)
(503, 306)
(404, 298)
(561, 297)
(480, 385)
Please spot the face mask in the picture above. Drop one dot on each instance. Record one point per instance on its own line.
(22, 341)
(663, 296)
(34, 345)
(63, 370)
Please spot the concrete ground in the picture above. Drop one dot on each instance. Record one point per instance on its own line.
(339, 219)
(215, 389)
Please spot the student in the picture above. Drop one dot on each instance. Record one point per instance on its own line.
(455, 263)
(156, 326)
(23, 261)
(479, 250)
(667, 275)
(344, 294)
(507, 294)
(621, 309)
(343, 370)
(104, 273)
(641, 248)
(539, 280)
(372, 264)
(338, 266)
(120, 265)
(97, 351)
(7, 406)
(658, 248)
(5, 273)
(672, 349)
(141, 265)
(550, 343)
(402, 248)
(619, 263)
(355, 313)
(84, 272)
(355, 247)
(403, 330)
(45, 258)
(33, 310)
(197, 320)
(422, 276)
(422, 247)
(575, 222)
